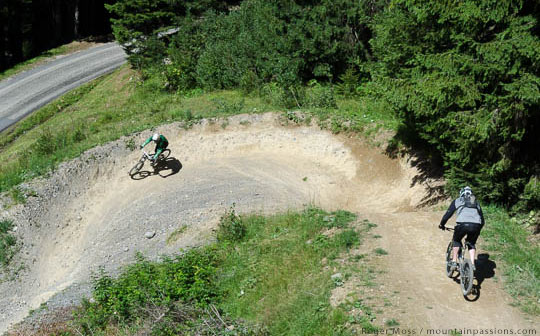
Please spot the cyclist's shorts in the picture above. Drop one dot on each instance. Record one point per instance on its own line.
(164, 146)
(471, 230)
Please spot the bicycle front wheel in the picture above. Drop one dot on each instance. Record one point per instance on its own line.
(467, 277)
(136, 168)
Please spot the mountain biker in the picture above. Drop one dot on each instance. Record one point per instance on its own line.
(469, 220)
(161, 144)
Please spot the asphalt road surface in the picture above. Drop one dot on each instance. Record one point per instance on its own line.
(24, 93)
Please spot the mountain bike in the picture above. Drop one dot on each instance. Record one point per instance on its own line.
(145, 156)
(464, 269)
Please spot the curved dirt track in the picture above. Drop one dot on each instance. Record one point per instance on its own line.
(99, 215)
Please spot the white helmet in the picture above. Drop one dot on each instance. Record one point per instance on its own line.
(155, 137)
(465, 192)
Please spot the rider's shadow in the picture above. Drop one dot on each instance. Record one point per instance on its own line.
(485, 269)
(163, 168)
(168, 167)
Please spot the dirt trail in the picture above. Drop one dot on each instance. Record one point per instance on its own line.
(422, 294)
(91, 214)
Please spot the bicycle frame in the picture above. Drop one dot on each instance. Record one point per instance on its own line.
(138, 166)
(145, 156)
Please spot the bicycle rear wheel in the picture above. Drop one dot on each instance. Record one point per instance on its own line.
(467, 277)
(165, 154)
(449, 271)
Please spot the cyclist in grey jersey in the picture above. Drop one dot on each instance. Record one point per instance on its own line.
(469, 220)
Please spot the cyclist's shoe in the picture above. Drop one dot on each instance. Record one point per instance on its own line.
(474, 268)
(453, 265)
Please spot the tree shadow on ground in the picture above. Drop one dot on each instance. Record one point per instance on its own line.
(163, 168)
(425, 159)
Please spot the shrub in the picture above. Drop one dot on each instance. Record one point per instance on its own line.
(231, 227)
(349, 83)
(276, 95)
(7, 242)
(45, 143)
(319, 96)
(187, 278)
(184, 52)
(530, 199)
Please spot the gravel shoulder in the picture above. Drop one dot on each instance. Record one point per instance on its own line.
(89, 213)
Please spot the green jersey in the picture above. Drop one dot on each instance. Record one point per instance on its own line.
(161, 144)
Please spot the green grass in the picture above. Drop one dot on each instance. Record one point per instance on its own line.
(269, 281)
(7, 242)
(176, 234)
(515, 256)
(392, 323)
(380, 251)
(275, 277)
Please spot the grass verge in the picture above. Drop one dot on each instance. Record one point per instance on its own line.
(264, 276)
(274, 276)
(510, 241)
(7, 242)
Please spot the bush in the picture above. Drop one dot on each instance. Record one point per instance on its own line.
(260, 42)
(530, 199)
(318, 96)
(276, 95)
(46, 143)
(231, 227)
(186, 278)
(184, 52)
(7, 242)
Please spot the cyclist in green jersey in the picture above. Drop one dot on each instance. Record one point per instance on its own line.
(161, 144)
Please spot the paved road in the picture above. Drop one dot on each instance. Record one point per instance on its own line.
(24, 93)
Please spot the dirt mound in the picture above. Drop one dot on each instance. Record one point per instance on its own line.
(89, 213)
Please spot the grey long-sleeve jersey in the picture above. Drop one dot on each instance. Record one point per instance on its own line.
(472, 215)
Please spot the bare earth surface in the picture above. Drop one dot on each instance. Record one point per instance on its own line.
(90, 213)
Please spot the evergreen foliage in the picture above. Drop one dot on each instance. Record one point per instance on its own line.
(463, 78)
(282, 41)
(141, 25)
